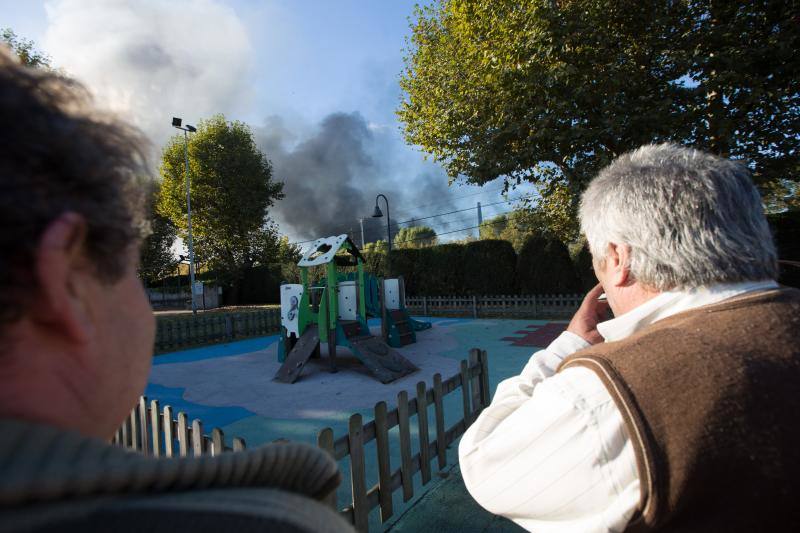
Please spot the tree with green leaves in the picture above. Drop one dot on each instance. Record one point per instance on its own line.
(157, 259)
(25, 49)
(232, 189)
(514, 227)
(415, 237)
(545, 91)
(378, 246)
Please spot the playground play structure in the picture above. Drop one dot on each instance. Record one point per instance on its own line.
(334, 309)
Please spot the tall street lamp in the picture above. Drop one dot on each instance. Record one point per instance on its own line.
(378, 214)
(176, 123)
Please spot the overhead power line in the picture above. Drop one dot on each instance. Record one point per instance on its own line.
(458, 230)
(417, 219)
(451, 200)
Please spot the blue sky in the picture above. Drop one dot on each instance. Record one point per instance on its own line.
(316, 80)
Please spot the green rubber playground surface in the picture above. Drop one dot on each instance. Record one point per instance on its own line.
(230, 386)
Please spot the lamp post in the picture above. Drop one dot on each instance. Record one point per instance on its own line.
(378, 214)
(176, 123)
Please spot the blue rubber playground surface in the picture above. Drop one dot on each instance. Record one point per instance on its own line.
(230, 386)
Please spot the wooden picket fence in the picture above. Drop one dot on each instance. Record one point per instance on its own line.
(473, 380)
(160, 433)
(174, 333)
(522, 306)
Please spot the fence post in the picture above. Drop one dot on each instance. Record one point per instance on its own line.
(405, 445)
(424, 306)
(485, 392)
(143, 420)
(169, 443)
(238, 444)
(197, 437)
(183, 434)
(465, 393)
(155, 427)
(474, 306)
(422, 423)
(125, 439)
(358, 481)
(217, 441)
(475, 385)
(136, 443)
(384, 463)
(228, 327)
(438, 407)
(324, 441)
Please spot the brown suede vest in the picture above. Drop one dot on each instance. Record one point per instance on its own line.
(711, 400)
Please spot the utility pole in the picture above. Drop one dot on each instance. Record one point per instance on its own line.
(480, 219)
(361, 220)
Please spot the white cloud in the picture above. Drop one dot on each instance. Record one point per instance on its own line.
(151, 60)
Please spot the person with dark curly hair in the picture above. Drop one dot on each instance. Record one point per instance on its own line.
(76, 340)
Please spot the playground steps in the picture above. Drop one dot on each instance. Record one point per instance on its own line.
(383, 362)
(301, 352)
(351, 327)
(404, 331)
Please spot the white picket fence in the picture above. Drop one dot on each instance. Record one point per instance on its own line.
(508, 305)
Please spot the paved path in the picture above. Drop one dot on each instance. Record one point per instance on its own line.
(434, 512)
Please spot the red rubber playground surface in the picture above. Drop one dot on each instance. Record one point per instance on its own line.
(536, 335)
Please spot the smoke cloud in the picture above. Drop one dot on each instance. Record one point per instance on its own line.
(151, 60)
(333, 173)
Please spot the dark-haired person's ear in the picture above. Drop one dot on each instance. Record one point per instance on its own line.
(64, 275)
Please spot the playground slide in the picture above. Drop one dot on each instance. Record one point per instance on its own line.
(299, 356)
(417, 325)
(384, 363)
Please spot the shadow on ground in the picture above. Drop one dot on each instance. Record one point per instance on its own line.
(447, 508)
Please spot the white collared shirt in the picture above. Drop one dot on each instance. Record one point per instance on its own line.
(552, 452)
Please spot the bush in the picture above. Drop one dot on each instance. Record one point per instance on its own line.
(442, 269)
(786, 231)
(489, 267)
(375, 264)
(260, 285)
(544, 267)
(437, 270)
(584, 269)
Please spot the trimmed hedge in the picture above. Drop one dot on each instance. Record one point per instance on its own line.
(485, 267)
(544, 266)
(584, 269)
(786, 231)
(489, 267)
(476, 268)
(260, 285)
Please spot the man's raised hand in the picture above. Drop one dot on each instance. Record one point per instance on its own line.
(591, 312)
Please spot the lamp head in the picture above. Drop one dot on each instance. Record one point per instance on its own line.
(190, 129)
(378, 213)
(176, 122)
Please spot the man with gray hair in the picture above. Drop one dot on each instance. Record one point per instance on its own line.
(680, 413)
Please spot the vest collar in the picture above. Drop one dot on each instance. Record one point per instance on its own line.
(673, 302)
